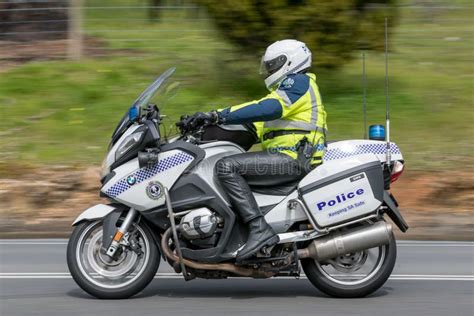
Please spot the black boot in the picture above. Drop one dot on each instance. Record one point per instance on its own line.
(260, 235)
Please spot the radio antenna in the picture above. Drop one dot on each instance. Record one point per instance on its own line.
(387, 101)
(364, 89)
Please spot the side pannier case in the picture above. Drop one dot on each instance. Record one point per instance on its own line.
(343, 190)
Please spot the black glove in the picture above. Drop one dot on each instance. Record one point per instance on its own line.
(203, 119)
(198, 119)
(183, 123)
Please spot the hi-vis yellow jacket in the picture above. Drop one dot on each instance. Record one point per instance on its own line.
(295, 106)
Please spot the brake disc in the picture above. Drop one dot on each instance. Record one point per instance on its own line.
(350, 262)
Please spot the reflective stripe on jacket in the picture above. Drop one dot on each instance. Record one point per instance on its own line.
(295, 105)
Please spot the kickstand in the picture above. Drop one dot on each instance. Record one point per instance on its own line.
(296, 260)
(175, 235)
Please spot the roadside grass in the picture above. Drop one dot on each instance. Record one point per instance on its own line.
(63, 112)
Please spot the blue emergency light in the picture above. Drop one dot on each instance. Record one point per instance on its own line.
(376, 132)
(133, 113)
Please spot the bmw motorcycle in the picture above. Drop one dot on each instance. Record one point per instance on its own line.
(166, 204)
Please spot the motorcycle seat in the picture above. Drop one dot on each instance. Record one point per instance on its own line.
(279, 189)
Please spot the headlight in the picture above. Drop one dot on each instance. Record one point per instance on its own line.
(129, 141)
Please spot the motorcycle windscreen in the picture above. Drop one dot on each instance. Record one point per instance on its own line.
(141, 102)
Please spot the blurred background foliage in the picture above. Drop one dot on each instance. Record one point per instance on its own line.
(58, 111)
(332, 28)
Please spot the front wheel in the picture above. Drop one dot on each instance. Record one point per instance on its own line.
(102, 277)
(353, 274)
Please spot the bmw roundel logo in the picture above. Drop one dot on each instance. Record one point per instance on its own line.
(131, 180)
(154, 190)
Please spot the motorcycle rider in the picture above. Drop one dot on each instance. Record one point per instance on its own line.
(291, 125)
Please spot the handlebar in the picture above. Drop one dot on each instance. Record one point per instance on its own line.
(186, 128)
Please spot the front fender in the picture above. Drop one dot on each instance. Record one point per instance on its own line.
(95, 212)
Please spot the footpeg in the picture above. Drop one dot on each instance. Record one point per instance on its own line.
(266, 251)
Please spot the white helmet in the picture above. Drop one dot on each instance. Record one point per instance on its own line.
(283, 58)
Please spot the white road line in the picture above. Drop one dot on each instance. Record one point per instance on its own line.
(65, 275)
(400, 243)
(31, 243)
(34, 273)
(174, 274)
(435, 244)
(279, 278)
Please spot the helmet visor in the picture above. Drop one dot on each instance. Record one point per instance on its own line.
(269, 67)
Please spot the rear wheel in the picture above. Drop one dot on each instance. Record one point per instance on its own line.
(353, 274)
(102, 277)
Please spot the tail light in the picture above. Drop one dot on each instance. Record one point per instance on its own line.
(397, 171)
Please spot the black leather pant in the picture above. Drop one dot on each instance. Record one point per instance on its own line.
(238, 172)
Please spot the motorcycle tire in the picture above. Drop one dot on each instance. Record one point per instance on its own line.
(329, 287)
(103, 292)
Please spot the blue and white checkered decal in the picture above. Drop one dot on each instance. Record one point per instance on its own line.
(337, 153)
(146, 173)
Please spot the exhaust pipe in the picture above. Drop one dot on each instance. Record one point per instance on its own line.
(353, 240)
(228, 267)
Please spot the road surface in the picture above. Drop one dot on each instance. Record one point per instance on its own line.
(430, 278)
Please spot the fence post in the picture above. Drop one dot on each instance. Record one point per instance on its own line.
(75, 29)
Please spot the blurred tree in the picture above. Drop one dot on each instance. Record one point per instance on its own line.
(154, 13)
(331, 28)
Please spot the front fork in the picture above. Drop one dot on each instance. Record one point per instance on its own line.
(127, 222)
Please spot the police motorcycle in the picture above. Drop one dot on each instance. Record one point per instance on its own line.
(165, 204)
